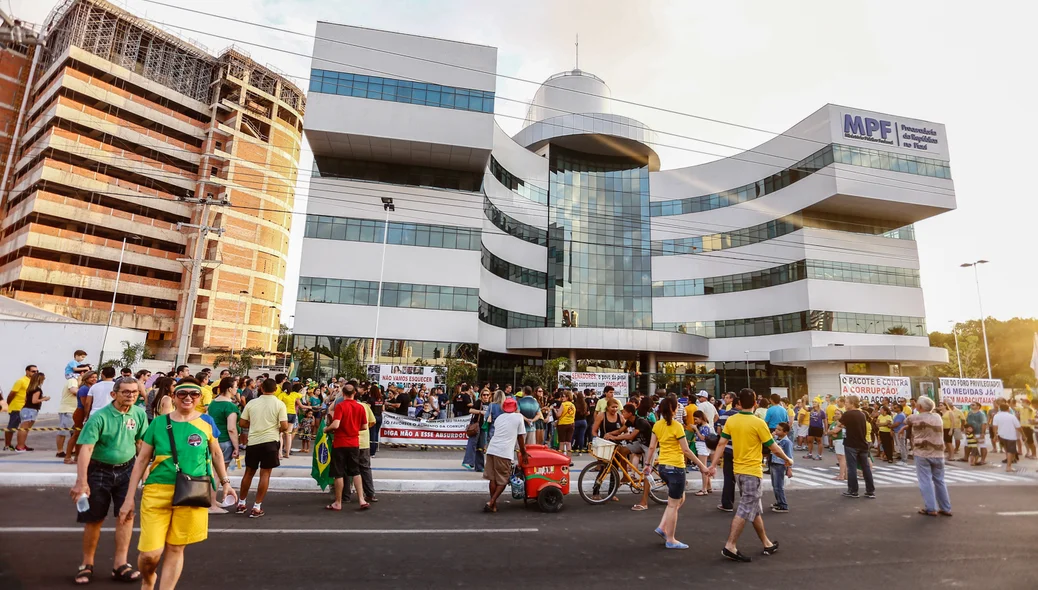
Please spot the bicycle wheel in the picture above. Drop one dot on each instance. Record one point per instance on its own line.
(600, 475)
(657, 487)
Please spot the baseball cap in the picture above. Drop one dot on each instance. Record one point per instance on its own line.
(702, 394)
(509, 405)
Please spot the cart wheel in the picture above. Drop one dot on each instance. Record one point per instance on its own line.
(549, 499)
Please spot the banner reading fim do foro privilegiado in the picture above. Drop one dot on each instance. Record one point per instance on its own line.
(962, 392)
(875, 388)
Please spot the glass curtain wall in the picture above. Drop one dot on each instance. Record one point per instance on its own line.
(599, 264)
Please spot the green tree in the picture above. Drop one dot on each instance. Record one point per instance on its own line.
(131, 355)
(1010, 345)
(350, 365)
(457, 371)
(897, 331)
(241, 362)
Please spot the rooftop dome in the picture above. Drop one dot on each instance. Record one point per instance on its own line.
(575, 91)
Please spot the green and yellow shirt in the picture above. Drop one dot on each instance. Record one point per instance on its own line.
(192, 440)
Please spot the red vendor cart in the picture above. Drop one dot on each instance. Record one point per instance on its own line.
(546, 477)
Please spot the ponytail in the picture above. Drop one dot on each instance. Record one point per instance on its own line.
(667, 407)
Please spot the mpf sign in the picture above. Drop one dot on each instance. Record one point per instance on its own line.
(887, 130)
(869, 129)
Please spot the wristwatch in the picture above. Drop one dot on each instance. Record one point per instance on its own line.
(224, 481)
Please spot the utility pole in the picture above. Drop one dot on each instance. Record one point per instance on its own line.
(195, 263)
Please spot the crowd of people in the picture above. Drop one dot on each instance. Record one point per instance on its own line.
(168, 432)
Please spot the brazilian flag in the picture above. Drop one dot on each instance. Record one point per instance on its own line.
(322, 459)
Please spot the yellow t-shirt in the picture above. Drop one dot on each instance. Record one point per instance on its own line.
(946, 422)
(289, 399)
(1026, 415)
(868, 431)
(68, 396)
(789, 410)
(206, 399)
(601, 405)
(804, 417)
(830, 413)
(670, 445)
(884, 423)
(746, 434)
(567, 413)
(907, 410)
(18, 389)
(957, 418)
(365, 435)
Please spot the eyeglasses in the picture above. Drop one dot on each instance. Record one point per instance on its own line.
(184, 394)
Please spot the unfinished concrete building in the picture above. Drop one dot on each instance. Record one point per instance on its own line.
(127, 127)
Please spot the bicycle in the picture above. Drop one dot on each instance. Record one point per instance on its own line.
(612, 470)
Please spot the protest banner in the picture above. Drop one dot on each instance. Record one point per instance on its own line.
(401, 430)
(962, 392)
(404, 376)
(876, 388)
(596, 381)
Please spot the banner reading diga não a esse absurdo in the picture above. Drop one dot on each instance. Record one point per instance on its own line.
(401, 430)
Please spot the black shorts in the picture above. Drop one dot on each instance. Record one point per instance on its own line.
(263, 456)
(1008, 446)
(345, 462)
(815, 431)
(947, 435)
(109, 484)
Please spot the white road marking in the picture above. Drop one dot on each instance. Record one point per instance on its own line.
(1028, 513)
(293, 531)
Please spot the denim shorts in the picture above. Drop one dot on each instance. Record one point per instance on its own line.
(109, 485)
(674, 477)
(65, 420)
(228, 451)
(29, 414)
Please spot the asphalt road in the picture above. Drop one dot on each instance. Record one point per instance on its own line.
(439, 541)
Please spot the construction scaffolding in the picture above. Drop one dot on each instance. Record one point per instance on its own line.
(115, 35)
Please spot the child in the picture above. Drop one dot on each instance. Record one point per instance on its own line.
(306, 430)
(427, 412)
(779, 471)
(702, 431)
(972, 446)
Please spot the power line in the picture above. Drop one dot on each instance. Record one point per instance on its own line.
(591, 116)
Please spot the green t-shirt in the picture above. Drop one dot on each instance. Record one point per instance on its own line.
(114, 434)
(220, 410)
(192, 439)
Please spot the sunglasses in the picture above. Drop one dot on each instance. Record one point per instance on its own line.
(185, 394)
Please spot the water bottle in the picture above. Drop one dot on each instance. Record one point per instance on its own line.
(83, 503)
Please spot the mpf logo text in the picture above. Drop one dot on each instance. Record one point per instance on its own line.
(859, 128)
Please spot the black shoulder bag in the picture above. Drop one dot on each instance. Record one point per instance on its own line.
(188, 490)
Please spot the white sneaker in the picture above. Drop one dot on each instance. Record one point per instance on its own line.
(902, 464)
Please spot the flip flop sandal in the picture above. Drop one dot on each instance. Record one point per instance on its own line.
(701, 493)
(486, 507)
(126, 573)
(925, 512)
(639, 507)
(944, 513)
(333, 508)
(84, 575)
(364, 506)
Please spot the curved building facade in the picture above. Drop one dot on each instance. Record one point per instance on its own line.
(783, 266)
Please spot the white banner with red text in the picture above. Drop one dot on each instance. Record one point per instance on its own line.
(596, 381)
(876, 388)
(963, 392)
(401, 430)
(404, 376)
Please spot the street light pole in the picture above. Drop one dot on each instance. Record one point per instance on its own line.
(387, 204)
(980, 305)
(958, 357)
(237, 323)
(115, 293)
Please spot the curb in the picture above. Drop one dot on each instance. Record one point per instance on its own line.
(284, 484)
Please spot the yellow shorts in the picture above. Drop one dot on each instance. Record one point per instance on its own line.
(164, 524)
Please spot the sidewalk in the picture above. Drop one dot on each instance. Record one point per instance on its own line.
(440, 471)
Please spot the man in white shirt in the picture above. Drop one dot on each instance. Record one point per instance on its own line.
(707, 408)
(1006, 427)
(100, 394)
(509, 429)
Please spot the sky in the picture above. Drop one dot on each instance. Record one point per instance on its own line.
(759, 64)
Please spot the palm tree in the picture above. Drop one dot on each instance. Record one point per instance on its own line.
(897, 331)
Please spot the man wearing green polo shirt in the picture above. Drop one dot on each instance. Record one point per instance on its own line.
(109, 445)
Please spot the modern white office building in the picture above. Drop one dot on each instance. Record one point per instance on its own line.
(784, 266)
